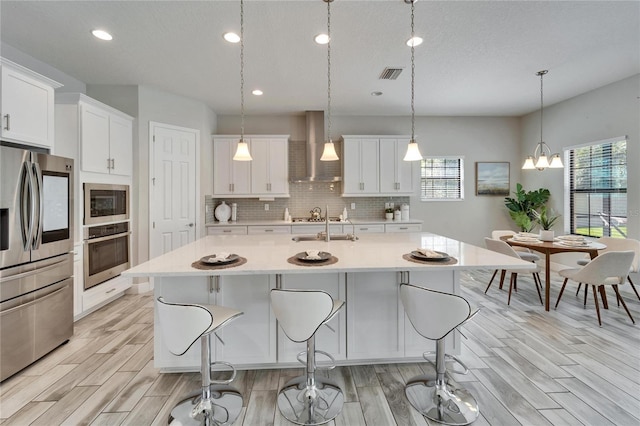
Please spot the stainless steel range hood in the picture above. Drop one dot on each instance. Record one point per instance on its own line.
(316, 170)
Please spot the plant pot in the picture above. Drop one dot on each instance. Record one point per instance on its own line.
(546, 235)
(388, 216)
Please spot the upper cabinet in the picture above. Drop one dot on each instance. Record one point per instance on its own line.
(360, 166)
(396, 175)
(265, 176)
(26, 106)
(105, 134)
(373, 166)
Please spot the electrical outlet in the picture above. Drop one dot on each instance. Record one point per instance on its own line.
(266, 207)
(353, 206)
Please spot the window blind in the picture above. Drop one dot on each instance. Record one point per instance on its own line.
(598, 188)
(442, 178)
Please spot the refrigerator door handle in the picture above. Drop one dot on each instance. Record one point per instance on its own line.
(39, 197)
(26, 210)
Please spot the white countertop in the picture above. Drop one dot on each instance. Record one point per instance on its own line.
(376, 251)
(282, 222)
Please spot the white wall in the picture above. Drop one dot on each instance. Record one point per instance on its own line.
(475, 138)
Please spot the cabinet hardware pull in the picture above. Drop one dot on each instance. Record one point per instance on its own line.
(113, 163)
(226, 230)
(108, 163)
(110, 291)
(268, 230)
(8, 117)
(403, 228)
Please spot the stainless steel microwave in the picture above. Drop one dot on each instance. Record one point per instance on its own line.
(105, 203)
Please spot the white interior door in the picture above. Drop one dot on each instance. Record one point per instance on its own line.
(173, 187)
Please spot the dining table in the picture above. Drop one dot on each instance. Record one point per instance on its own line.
(553, 247)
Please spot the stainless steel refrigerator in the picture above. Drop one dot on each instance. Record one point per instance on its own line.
(36, 260)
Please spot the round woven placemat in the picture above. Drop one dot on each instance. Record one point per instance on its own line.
(205, 266)
(295, 261)
(450, 261)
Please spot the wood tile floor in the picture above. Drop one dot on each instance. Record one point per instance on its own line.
(527, 366)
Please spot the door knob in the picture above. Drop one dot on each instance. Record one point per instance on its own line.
(190, 225)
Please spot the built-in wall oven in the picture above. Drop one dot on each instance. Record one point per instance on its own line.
(105, 203)
(106, 252)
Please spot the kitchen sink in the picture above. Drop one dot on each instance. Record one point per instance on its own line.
(337, 237)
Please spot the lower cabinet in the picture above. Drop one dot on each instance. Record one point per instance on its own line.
(104, 292)
(372, 325)
(226, 230)
(251, 338)
(375, 319)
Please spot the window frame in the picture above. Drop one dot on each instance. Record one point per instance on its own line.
(460, 177)
(568, 190)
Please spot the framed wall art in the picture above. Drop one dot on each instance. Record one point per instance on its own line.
(492, 178)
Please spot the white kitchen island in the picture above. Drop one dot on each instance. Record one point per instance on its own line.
(372, 328)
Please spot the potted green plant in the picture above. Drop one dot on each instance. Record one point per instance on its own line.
(388, 213)
(545, 219)
(522, 206)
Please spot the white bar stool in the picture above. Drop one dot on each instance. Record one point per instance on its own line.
(434, 315)
(307, 400)
(182, 325)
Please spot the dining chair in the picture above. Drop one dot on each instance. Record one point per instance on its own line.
(502, 247)
(610, 268)
(523, 252)
(617, 244)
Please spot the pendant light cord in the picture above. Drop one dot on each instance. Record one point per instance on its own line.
(241, 71)
(541, 74)
(329, 70)
(413, 72)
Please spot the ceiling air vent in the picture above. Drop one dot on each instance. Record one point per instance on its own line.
(390, 73)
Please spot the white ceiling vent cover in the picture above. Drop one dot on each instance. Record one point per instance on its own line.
(390, 73)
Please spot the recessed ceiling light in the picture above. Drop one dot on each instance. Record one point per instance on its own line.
(376, 93)
(102, 35)
(231, 37)
(257, 92)
(416, 41)
(322, 39)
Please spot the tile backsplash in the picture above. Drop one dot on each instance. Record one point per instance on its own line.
(304, 197)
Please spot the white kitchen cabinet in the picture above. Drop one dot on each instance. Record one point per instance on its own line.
(251, 338)
(332, 340)
(403, 227)
(360, 166)
(365, 229)
(396, 175)
(267, 175)
(270, 167)
(104, 135)
(26, 106)
(375, 319)
(104, 293)
(226, 230)
(259, 229)
(334, 228)
(230, 178)
(78, 279)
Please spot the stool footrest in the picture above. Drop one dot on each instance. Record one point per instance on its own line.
(303, 361)
(223, 382)
(465, 370)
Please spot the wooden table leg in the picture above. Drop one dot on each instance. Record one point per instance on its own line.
(547, 279)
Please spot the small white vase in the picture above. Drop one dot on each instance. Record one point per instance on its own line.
(546, 235)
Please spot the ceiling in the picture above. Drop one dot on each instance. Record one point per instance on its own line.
(478, 58)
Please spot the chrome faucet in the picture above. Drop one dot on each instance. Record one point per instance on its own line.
(327, 238)
(352, 236)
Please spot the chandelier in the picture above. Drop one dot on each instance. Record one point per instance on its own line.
(541, 155)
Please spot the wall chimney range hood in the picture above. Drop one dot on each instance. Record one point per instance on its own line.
(316, 170)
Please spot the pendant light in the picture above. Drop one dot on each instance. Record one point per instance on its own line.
(540, 158)
(413, 150)
(329, 151)
(242, 152)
